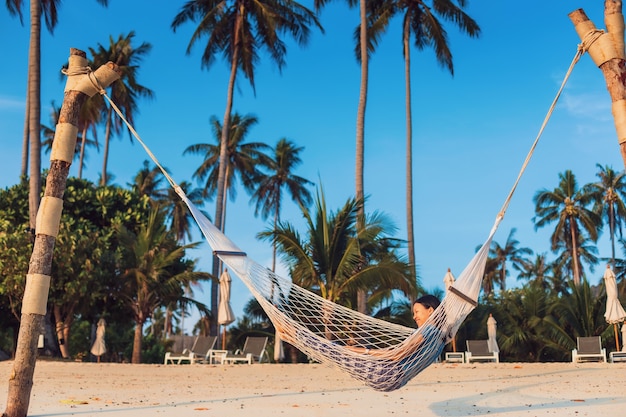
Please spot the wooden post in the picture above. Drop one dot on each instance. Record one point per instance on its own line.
(81, 84)
(607, 51)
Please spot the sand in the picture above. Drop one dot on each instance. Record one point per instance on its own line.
(259, 390)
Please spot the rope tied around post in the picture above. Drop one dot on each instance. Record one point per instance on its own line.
(91, 76)
(589, 39)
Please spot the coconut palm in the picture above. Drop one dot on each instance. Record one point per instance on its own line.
(609, 201)
(48, 10)
(525, 325)
(587, 254)
(147, 182)
(90, 116)
(238, 30)
(242, 160)
(125, 91)
(510, 252)
(578, 313)
(363, 49)
(568, 207)
(490, 276)
(422, 21)
(539, 272)
(178, 214)
(154, 271)
(328, 259)
(269, 192)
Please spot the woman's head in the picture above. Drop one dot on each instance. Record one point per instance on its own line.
(423, 307)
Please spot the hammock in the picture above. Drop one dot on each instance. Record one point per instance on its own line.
(328, 332)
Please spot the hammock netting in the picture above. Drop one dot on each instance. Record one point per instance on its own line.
(329, 333)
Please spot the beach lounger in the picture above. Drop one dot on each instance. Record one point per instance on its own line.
(589, 349)
(203, 348)
(181, 350)
(253, 351)
(199, 351)
(478, 350)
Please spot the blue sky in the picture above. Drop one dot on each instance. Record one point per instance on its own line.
(471, 131)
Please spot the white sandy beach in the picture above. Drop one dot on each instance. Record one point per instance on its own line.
(505, 389)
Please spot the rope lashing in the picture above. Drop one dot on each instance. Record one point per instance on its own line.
(86, 70)
(588, 40)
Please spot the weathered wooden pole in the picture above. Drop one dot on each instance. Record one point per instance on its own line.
(81, 84)
(607, 52)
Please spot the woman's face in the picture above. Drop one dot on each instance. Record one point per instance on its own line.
(421, 313)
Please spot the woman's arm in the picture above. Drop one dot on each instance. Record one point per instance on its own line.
(396, 352)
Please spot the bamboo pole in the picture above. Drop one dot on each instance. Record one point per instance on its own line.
(81, 84)
(607, 52)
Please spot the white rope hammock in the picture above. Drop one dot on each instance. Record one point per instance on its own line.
(328, 332)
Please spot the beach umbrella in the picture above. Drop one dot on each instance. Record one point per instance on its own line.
(225, 315)
(614, 311)
(448, 281)
(492, 326)
(99, 347)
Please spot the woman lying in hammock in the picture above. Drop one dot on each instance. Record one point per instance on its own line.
(385, 369)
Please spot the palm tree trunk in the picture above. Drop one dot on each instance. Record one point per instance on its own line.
(612, 231)
(574, 253)
(61, 333)
(276, 218)
(107, 139)
(360, 135)
(409, 149)
(40, 266)
(221, 176)
(137, 339)
(82, 152)
(34, 111)
(25, 146)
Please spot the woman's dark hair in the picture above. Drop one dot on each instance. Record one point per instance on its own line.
(428, 301)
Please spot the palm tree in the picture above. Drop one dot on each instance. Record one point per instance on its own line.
(269, 192)
(179, 216)
(47, 9)
(238, 30)
(609, 201)
(579, 313)
(421, 21)
(490, 276)
(587, 252)
(510, 252)
(125, 91)
(329, 259)
(90, 116)
(540, 273)
(242, 160)
(567, 205)
(525, 324)
(147, 182)
(154, 271)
